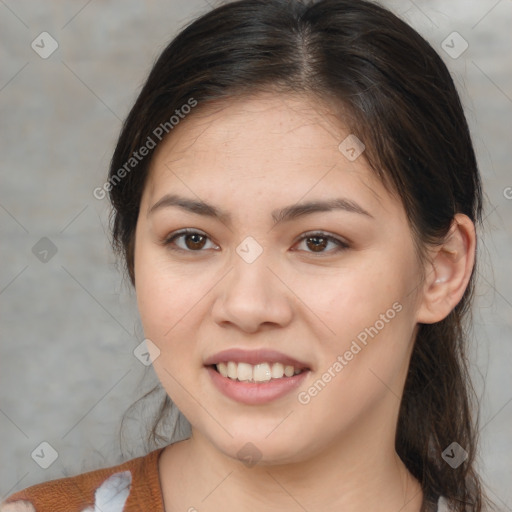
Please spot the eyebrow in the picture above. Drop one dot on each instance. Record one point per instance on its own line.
(280, 215)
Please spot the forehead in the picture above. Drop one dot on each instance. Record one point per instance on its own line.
(290, 141)
(244, 123)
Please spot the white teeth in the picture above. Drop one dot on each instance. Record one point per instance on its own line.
(223, 369)
(277, 370)
(262, 372)
(288, 370)
(232, 370)
(244, 371)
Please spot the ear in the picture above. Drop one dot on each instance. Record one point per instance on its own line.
(448, 271)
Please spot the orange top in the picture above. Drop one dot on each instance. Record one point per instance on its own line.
(133, 486)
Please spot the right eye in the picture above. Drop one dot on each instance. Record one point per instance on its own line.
(193, 241)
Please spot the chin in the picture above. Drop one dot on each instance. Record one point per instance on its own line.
(261, 451)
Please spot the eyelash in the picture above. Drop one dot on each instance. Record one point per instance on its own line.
(340, 243)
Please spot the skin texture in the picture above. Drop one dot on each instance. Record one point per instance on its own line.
(249, 157)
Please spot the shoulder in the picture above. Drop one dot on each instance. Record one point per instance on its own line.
(132, 485)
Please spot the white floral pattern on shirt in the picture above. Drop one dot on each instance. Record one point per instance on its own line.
(110, 496)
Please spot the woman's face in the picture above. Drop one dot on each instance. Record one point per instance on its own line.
(297, 257)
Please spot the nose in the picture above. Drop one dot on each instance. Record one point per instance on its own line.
(253, 295)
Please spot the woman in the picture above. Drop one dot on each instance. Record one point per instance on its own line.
(295, 195)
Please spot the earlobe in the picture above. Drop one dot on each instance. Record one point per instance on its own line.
(449, 271)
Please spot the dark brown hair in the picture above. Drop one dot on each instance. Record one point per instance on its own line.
(398, 97)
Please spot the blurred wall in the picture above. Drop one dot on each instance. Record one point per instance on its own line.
(69, 324)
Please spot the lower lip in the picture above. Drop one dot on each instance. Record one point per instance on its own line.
(255, 393)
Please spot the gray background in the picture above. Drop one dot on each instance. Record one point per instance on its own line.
(69, 325)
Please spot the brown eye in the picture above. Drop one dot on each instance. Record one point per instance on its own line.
(318, 242)
(196, 241)
(190, 241)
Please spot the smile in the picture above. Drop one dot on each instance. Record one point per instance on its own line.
(255, 376)
(263, 372)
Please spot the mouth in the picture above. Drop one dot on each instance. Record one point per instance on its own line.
(257, 376)
(262, 372)
(260, 365)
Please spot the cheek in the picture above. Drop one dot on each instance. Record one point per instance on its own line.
(370, 313)
(167, 319)
(167, 301)
(363, 369)
(165, 294)
(357, 297)
(154, 300)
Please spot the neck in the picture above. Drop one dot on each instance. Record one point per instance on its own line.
(356, 475)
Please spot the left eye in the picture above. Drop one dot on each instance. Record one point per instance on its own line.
(319, 241)
(194, 241)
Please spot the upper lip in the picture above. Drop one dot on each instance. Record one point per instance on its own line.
(253, 357)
